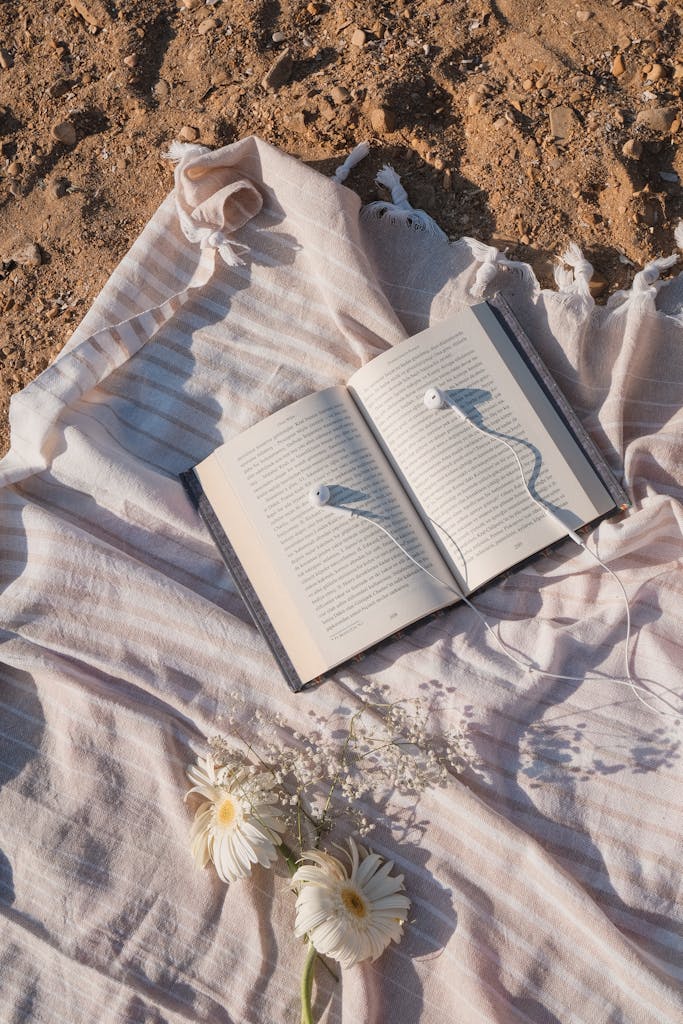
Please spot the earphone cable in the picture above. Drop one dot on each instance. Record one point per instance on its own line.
(627, 681)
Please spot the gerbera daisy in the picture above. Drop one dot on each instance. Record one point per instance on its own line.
(349, 916)
(236, 825)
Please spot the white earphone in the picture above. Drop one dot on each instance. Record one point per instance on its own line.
(434, 398)
(319, 496)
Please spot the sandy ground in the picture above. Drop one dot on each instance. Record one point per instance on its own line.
(528, 123)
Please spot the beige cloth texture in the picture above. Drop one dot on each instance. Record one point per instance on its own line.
(544, 877)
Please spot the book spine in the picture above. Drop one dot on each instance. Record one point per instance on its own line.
(523, 344)
(258, 613)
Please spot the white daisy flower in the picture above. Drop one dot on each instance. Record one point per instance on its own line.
(350, 917)
(236, 825)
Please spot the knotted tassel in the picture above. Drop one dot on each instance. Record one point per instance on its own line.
(650, 274)
(492, 261)
(399, 210)
(646, 283)
(204, 235)
(577, 280)
(178, 151)
(354, 157)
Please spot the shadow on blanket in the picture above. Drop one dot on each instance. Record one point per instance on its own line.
(21, 727)
(527, 758)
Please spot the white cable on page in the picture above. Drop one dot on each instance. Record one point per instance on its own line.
(434, 399)
(635, 687)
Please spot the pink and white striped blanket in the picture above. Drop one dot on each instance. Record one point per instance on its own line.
(544, 878)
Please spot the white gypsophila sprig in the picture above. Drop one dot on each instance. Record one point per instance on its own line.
(238, 823)
(349, 915)
(347, 764)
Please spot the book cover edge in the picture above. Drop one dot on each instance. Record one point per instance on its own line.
(525, 347)
(260, 617)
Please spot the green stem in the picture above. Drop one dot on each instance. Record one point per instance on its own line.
(289, 857)
(307, 986)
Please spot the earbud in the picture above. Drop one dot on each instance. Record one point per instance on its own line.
(435, 398)
(319, 497)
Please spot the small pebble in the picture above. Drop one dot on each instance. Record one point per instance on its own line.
(656, 73)
(188, 133)
(326, 110)
(60, 88)
(597, 285)
(161, 89)
(190, 4)
(279, 37)
(618, 66)
(93, 18)
(382, 120)
(633, 149)
(208, 25)
(64, 132)
(28, 255)
(678, 72)
(131, 61)
(359, 38)
(657, 119)
(562, 122)
(5, 59)
(583, 16)
(279, 72)
(14, 169)
(340, 95)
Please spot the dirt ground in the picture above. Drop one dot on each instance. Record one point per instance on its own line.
(528, 123)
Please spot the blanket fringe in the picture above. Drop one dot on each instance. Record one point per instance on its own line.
(647, 283)
(492, 261)
(399, 210)
(178, 151)
(354, 157)
(575, 281)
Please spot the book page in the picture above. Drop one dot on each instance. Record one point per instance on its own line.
(466, 484)
(332, 585)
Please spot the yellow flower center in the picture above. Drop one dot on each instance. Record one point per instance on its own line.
(354, 902)
(226, 812)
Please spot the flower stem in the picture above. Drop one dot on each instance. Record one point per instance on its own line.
(307, 985)
(289, 857)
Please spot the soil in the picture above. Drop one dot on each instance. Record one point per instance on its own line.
(526, 123)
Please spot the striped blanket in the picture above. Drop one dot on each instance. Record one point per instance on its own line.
(544, 876)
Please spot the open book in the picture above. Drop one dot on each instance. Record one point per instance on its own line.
(323, 587)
